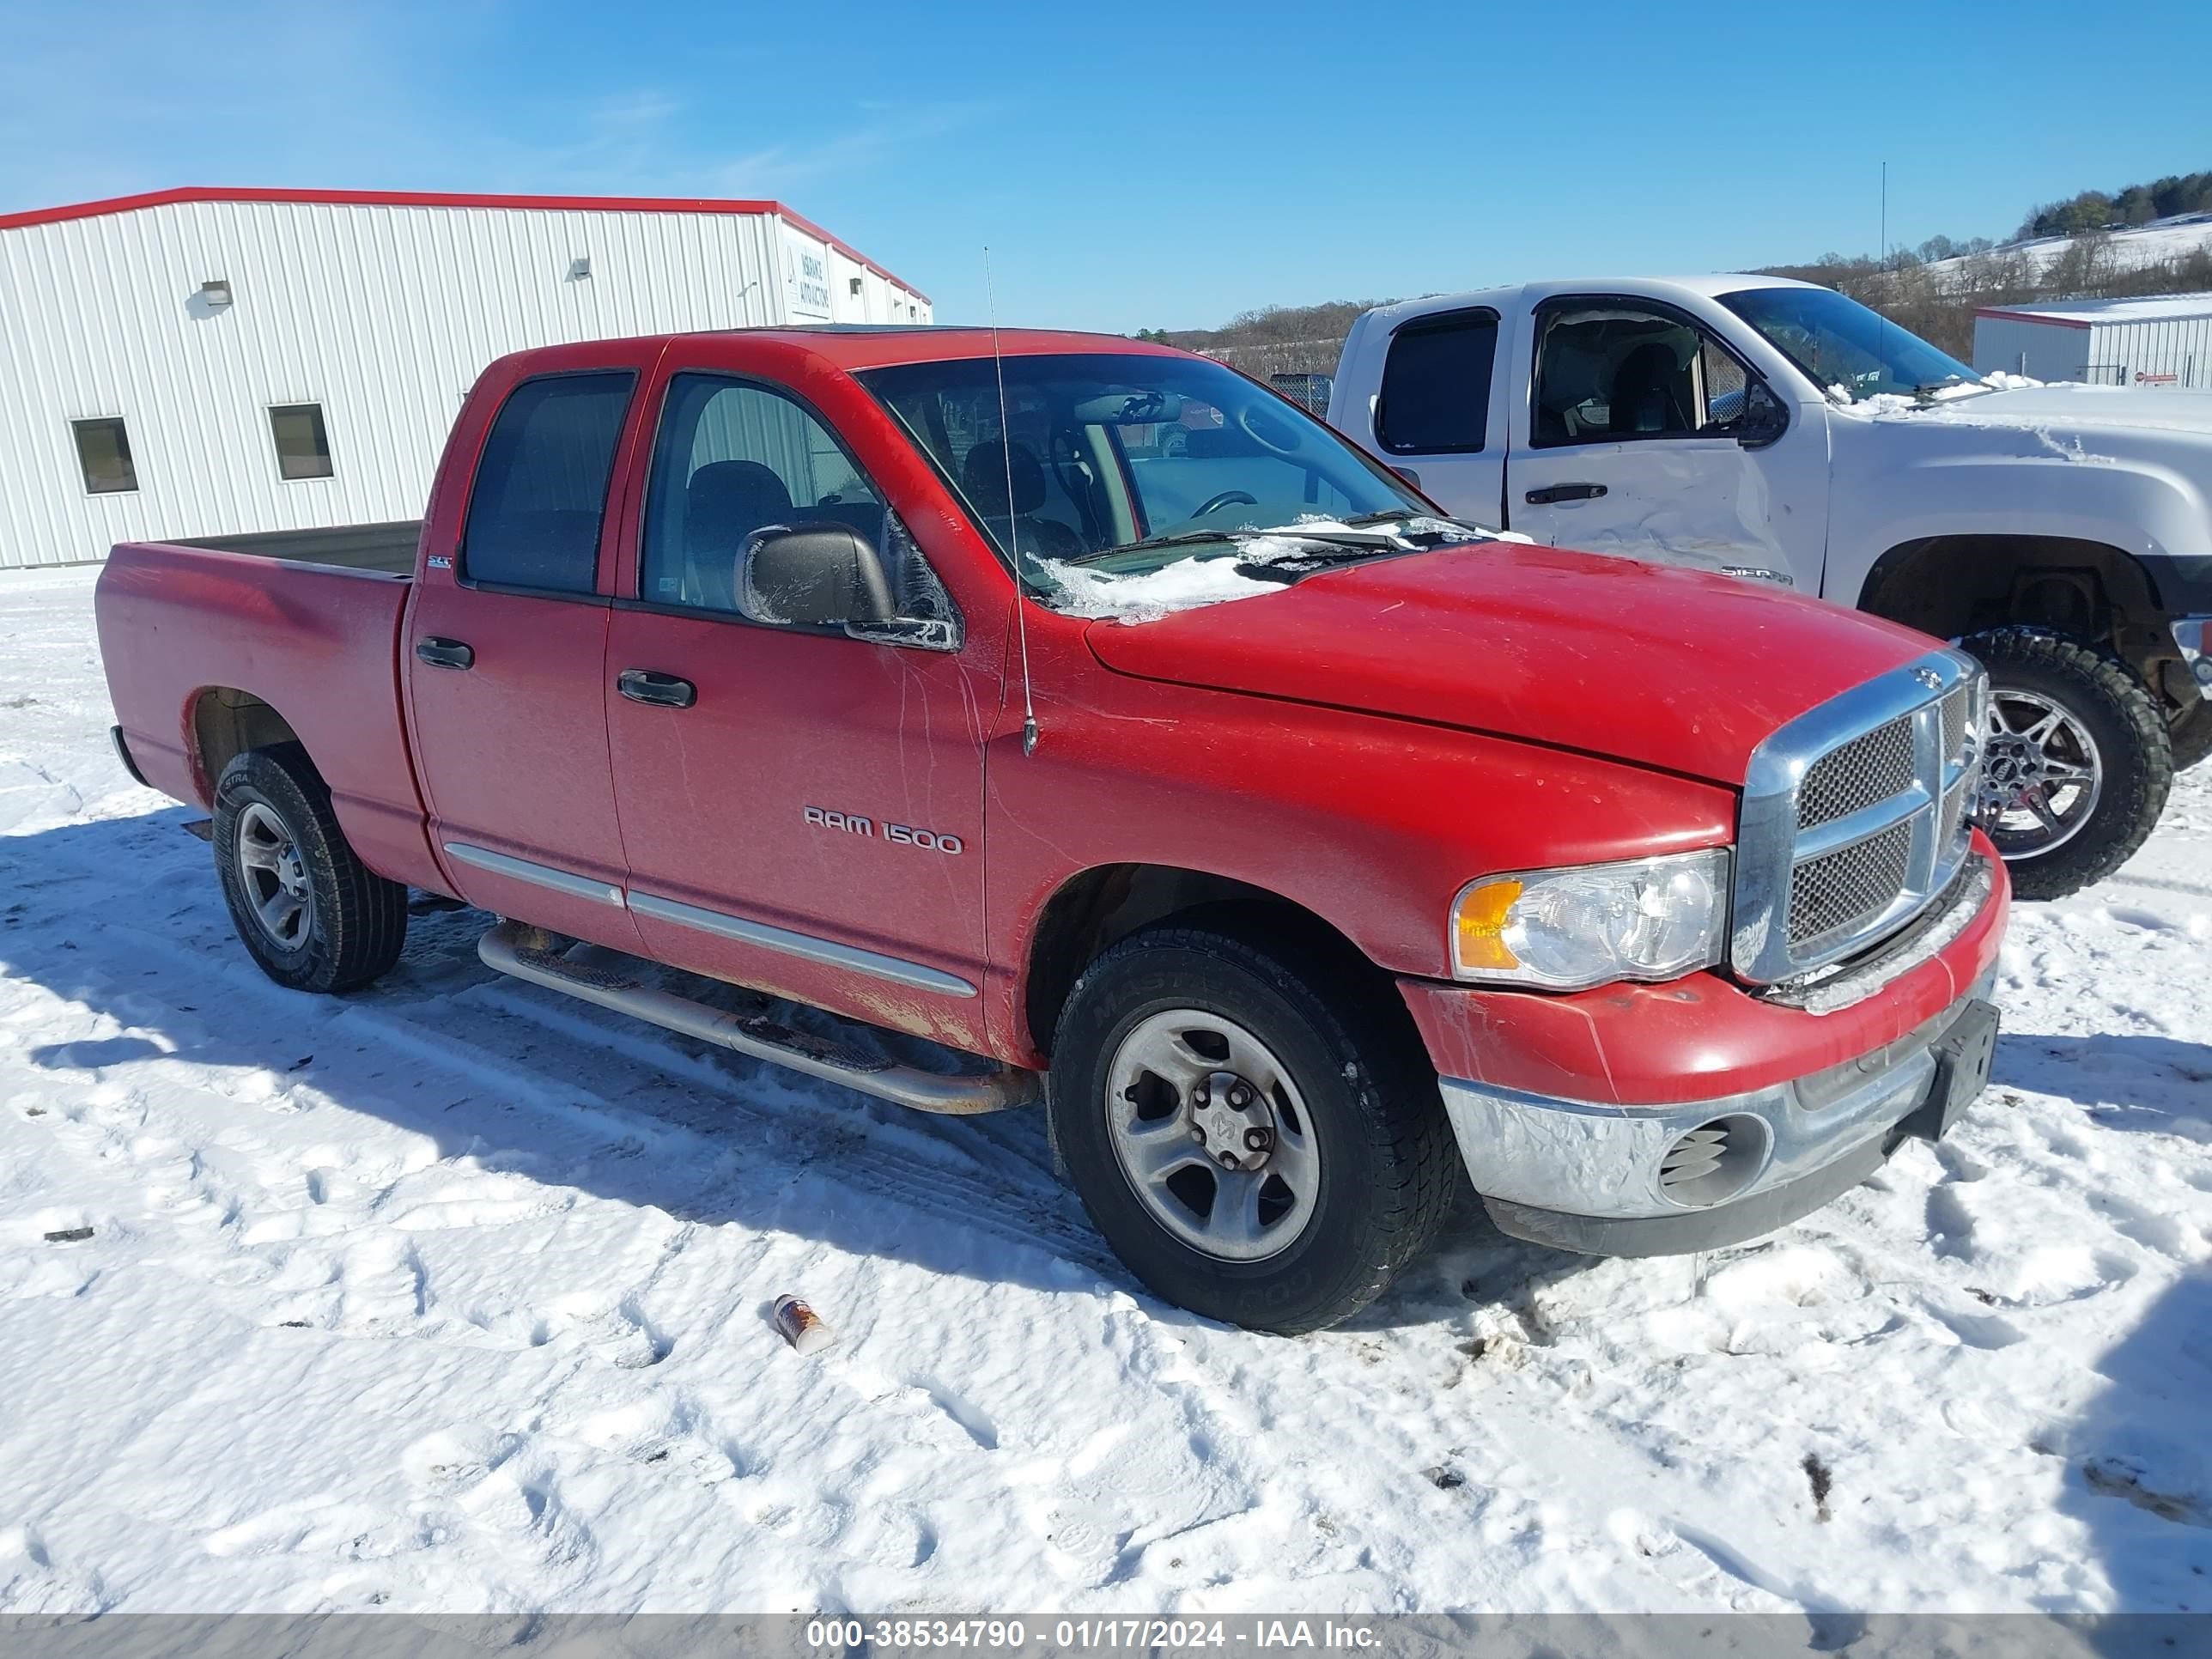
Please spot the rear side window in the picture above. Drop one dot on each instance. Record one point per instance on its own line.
(1436, 385)
(542, 485)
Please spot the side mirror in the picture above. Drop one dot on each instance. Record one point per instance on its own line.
(1764, 418)
(821, 574)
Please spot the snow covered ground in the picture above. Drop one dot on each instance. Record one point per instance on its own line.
(454, 1294)
(2125, 250)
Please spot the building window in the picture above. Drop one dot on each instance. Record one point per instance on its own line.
(303, 448)
(103, 450)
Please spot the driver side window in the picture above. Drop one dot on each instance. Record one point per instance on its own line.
(734, 460)
(1611, 372)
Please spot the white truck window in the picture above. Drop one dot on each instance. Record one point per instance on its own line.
(1609, 371)
(1436, 385)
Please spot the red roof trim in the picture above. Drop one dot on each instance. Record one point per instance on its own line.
(2029, 316)
(438, 198)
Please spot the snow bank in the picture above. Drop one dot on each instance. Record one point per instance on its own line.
(455, 1296)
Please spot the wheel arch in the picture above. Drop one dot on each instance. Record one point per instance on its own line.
(1095, 908)
(1952, 586)
(221, 723)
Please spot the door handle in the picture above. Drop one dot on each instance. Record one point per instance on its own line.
(1563, 492)
(443, 653)
(648, 685)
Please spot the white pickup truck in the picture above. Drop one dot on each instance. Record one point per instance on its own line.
(1783, 432)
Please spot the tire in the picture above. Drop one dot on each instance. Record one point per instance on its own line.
(308, 910)
(1355, 1114)
(2131, 761)
(2190, 728)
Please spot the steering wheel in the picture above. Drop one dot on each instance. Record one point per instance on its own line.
(1265, 428)
(1226, 498)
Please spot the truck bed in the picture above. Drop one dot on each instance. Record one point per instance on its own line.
(385, 547)
(211, 647)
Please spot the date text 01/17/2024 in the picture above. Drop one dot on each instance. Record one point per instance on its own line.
(1146, 1635)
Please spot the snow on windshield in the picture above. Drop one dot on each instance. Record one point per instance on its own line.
(1218, 578)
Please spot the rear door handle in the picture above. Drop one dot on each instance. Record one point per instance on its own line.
(444, 653)
(648, 685)
(1563, 492)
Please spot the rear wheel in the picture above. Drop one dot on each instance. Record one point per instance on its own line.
(1255, 1152)
(310, 912)
(2076, 760)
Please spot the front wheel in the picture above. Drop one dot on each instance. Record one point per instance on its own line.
(311, 913)
(1253, 1150)
(2076, 760)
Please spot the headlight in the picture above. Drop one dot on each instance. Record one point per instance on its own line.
(1566, 930)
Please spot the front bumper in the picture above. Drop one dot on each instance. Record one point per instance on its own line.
(1574, 1138)
(1581, 1177)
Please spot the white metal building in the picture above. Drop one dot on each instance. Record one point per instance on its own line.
(2164, 341)
(202, 362)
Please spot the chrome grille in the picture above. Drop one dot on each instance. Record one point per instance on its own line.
(1954, 807)
(1853, 818)
(1863, 773)
(1838, 889)
(1954, 722)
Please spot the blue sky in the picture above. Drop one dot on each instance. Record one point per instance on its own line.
(1138, 165)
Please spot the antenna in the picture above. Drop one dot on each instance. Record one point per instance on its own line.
(1881, 261)
(1013, 545)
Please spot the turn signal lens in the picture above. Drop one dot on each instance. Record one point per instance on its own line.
(1479, 922)
(1569, 929)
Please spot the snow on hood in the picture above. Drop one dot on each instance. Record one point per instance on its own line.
(2008, 400)
(1217, 579)
(1678, 669)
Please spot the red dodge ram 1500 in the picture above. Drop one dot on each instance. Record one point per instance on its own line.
(1094, 713)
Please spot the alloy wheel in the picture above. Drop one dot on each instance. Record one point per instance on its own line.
(2041, 775)
(1212, 1134)
(274, 876)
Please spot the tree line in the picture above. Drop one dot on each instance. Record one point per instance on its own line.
(2130, 204)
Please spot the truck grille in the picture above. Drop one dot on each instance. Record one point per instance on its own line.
(1853, 818)
(1836, 889)
(1864, 771)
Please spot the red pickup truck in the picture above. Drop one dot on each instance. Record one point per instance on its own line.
(1308, 852)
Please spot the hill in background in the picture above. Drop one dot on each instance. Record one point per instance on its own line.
(2091, 246)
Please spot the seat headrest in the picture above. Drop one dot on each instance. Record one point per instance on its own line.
(726, 500)
(1648, 392)
(983, 475)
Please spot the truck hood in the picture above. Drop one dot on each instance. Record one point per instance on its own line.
(2102, 406)
(1676, 669)
(2065, 420)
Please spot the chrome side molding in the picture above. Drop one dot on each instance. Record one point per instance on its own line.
(897, 969)
(537, 875)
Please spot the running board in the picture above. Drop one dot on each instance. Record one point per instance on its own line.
(514, 948)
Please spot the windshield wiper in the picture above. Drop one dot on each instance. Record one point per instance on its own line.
(1346, 535)
(1187, 539)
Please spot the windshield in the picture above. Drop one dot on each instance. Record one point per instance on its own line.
(1128, 462)
(1845, 349)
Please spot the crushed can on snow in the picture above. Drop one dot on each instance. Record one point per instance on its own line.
(801, 1326)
